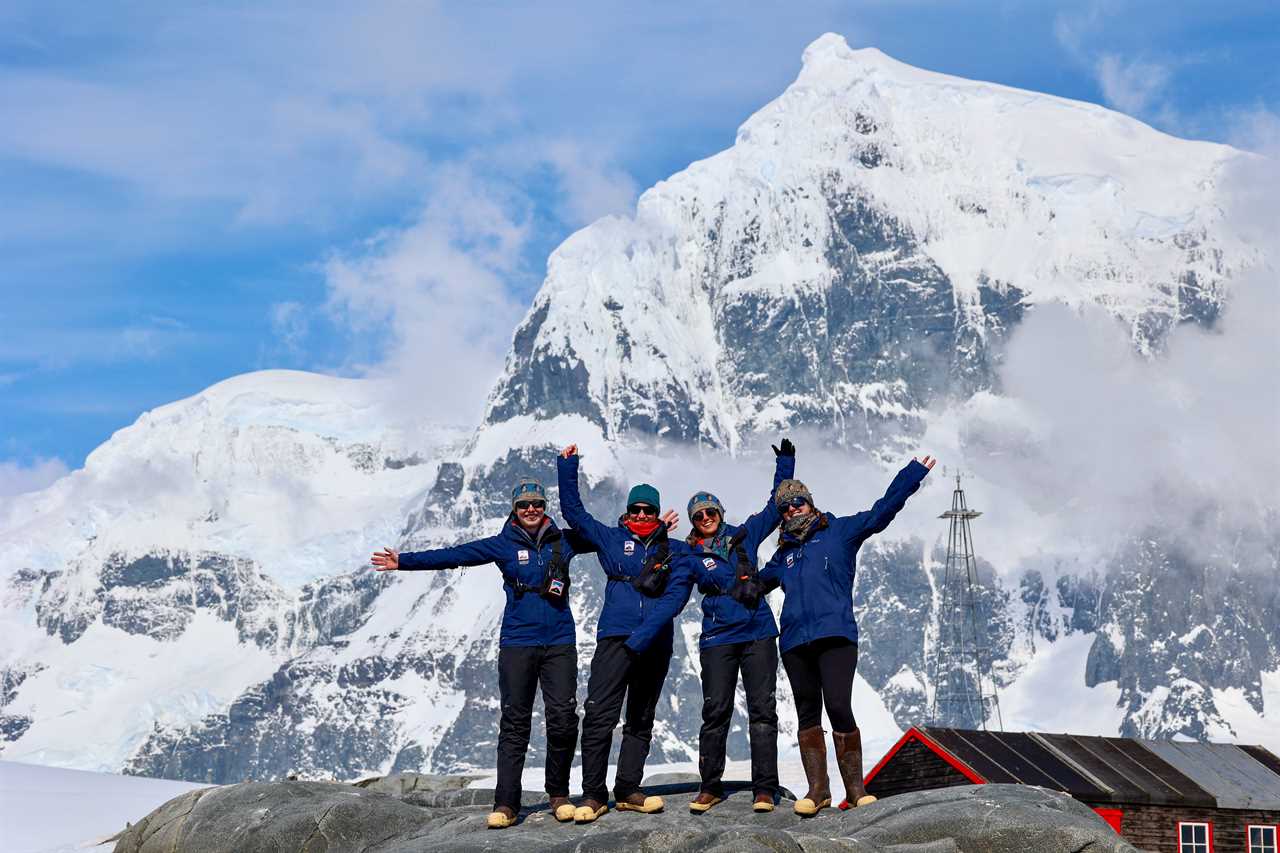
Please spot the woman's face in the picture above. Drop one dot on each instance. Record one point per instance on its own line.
(642, 512)
(798, 506)
(706, 521)
(530, 513)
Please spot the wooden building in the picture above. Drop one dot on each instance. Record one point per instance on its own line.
(1163, 796)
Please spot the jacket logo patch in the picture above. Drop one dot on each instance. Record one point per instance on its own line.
(791, 559)
(629, 547)
(708, 562)
(522, 555)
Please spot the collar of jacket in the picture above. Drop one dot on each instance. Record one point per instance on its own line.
(718, 544)
(787, 540)
(548, 532)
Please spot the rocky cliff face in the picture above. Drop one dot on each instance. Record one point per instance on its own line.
(853, 262)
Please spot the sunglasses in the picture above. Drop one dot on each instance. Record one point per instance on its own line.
(795, 503)
(642, 509)
(705, 514)
(531, 504)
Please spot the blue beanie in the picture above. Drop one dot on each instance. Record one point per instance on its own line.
(528, 490)
(644, 494)
(704, 500)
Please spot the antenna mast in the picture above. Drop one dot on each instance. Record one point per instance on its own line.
(964, 687)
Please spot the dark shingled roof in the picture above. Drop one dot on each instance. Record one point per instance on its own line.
(1119, 770)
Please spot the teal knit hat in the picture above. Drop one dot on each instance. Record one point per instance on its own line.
(644, 494)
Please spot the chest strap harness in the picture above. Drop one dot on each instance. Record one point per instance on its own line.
(555, 583)
(655, 573)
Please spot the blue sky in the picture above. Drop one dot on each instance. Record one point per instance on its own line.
(192, 191)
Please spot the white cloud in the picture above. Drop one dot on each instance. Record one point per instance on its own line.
(435, 298)
(1138, 86)
(1131, 86)
(290, 324)
(591, 185)
(17, 478)
(1103, 442)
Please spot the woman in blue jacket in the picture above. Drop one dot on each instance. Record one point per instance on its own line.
(536, 646)
(814, 564)
(738, 636)
(633, 640)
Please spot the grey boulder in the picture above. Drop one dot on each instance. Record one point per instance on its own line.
(325, 817)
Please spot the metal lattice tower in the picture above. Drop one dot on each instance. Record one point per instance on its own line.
(964, 689)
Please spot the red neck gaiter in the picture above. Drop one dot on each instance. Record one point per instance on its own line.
(643, 529)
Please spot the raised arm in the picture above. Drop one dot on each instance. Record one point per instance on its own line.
(575, 514)
(667, 606)
(858, 528)
(579, 543)
(477, 553)
(764, 522)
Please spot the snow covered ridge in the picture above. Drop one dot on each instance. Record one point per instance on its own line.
(196, 602)
(872, 214)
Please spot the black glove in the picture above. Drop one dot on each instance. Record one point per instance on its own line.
(747, 592)
(787, 448)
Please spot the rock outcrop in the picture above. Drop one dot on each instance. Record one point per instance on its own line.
(438, 815)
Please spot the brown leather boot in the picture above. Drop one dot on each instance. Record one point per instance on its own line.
(562, 809)
(589, 810)
(639, 801)
(501, 817)
(813, 757)
(849, 761)
(703, 802)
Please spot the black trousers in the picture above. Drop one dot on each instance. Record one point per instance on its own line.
(521, 669)
(615, 674)
(821, 673)
(758, 663)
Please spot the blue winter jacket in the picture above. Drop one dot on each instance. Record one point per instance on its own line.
(724, 620)
(529, 619)
(817, 574)
(626, 612)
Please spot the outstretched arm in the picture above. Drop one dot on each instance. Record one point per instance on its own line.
(575, 514)
(475, 553)
(666, 607)
(764, 522)
(858, 528)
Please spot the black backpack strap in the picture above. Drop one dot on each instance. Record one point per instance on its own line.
(662, 554)
(519, 586)
(746, 568)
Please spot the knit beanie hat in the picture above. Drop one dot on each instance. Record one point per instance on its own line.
(704, 500)
(789, 489)
(644, 494)
(528, 490)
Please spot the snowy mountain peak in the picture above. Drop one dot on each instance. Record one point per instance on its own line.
(868, 185)
(829, 63)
